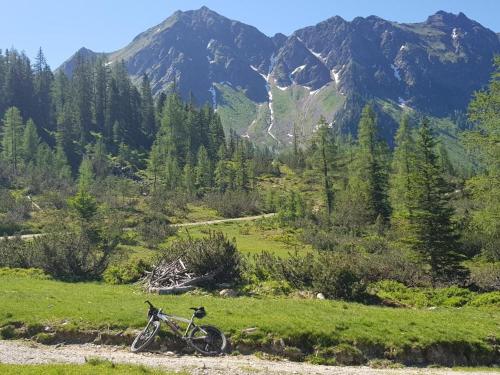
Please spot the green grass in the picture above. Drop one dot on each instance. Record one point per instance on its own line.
(250, 238)
(95, 367)
(235, 109)
(80, 306)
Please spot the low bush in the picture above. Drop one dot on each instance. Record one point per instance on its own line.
(486, 299)
(337, 278)
(234, 203)
(32, 273)
(269, 288)
(211, 254)
(394, 293)
(332, 274)
(485, 276)
(154, 229)
(127, 273)
(68, 253)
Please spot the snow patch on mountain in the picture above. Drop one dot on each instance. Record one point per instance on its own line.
(298, 69)
(396, 72)
(213, 92)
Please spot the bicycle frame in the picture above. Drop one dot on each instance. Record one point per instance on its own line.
(169, 320)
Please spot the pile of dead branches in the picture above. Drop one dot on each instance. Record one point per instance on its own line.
(173, 278)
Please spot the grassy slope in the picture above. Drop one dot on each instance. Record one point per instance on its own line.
(92, 305)
(446, 130)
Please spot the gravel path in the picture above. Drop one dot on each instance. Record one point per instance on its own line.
(179, 225)
(26, 352)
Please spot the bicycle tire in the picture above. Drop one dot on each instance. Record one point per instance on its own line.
(214, 343)
(135, 347)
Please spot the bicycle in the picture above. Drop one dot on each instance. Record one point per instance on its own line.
(205, 339)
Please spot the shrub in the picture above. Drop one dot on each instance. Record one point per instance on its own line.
(126, 273)
(214, 253)
(234, 203)
(335, 277)
(154, 229)
(16, 253)
(395, 293)
(485, 276)
(486, 299)
(32, 273)
(269, 288)
(75, 255)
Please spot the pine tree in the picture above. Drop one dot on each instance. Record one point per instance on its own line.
(484, 141)
(85, 175)
(43, 80)
(203, 169)
(99, 158)
(12, 138)
(371, 169)
(241, 169)
(432, 232)
(402, 169)
(30, 142)
(189, 175)
(101, 95)
(148, 124)
(325, 150)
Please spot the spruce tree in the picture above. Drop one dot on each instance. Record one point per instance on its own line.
(85, 175)
(12, 138)
(203, 169)
(484, 141)
(30, 142)
(371, 169)
(432, 232)
(148, 121)
(402, 168)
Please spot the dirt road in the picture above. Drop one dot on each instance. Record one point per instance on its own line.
(26, 352)
(180, 225)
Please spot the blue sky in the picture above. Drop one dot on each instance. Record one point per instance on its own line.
(61, 27)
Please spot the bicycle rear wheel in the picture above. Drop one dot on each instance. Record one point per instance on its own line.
(146, 336)
(207, 340)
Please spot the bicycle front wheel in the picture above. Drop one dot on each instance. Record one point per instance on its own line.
(207, 340)
(146, 336)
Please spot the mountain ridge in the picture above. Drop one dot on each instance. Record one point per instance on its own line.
(432, 67)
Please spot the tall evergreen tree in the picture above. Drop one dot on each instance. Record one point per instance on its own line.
(484, 140)
(402, 169)
(432, 230)
(203, 169)
(12, 138)
(148, 124)
(371, 169)
(30, 142)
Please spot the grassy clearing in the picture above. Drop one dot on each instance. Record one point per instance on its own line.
(81, 306)
(251, 238)
(94, 367)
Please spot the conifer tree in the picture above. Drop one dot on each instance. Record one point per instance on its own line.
(189, 175)
(85, 174)
(402, 168)
(30, 142)
(370, 168)
(325, 154)
(484, 141)
(203, 169)
(148, 122)
(12, 138)
(432, 232)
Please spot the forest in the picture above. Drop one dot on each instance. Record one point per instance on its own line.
(95, 162)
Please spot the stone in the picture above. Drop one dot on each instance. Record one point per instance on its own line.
(228, 293)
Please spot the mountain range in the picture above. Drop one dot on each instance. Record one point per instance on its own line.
(266, 88)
